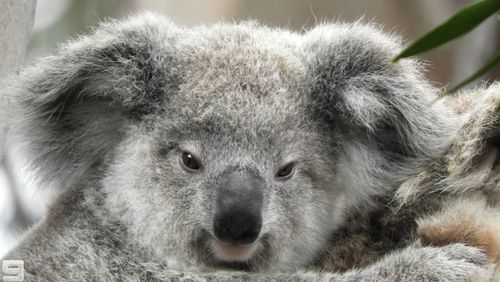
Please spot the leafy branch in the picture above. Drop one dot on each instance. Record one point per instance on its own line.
(457, 25)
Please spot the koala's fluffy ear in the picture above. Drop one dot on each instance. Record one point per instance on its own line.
(76, 104)
(381, 111)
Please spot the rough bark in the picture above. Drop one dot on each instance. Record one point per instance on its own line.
(16, 20)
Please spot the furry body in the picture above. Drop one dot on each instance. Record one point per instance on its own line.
(454, 200)
(108, 116)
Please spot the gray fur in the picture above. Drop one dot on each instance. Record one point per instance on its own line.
(107, 116)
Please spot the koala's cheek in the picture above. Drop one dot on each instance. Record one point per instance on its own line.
(283, 211)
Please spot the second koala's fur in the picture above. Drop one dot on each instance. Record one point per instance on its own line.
(454, 200)
(161, 139)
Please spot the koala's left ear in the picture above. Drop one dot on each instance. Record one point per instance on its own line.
(76, 104)
(379, 107)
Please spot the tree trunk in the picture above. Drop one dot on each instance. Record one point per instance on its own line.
(16, 21)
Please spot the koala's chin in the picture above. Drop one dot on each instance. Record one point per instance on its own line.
(208, 251)
(233, 252)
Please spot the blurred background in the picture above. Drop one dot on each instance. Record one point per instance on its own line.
(55, 21)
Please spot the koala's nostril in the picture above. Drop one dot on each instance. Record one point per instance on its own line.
(237, 227)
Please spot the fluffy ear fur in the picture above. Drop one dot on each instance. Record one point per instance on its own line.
(379, 113)
(75, 104)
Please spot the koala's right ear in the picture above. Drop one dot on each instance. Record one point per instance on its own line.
(379, 113)
(76, 104)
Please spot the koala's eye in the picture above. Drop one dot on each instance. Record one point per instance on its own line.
(285, 171)
(189, 161)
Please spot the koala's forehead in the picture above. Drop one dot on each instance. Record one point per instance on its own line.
(231, 58)
(247, 76)
(236, 120)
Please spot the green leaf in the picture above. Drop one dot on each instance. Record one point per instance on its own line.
(457, 25)
(488, 66)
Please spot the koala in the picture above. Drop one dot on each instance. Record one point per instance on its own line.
(233, 151)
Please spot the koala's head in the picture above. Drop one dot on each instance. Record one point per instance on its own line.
(234, 145)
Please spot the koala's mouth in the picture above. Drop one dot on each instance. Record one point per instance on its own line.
(243, 257)
(233, 252)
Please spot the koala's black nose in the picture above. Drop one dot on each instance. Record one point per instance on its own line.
(238, 215)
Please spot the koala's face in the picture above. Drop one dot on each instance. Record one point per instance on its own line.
(235, 189)
(232, 169)
(234, 145)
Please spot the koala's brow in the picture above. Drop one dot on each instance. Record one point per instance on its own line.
(163, 148)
